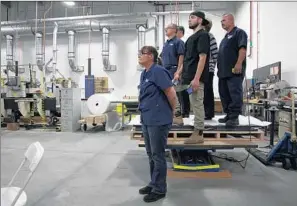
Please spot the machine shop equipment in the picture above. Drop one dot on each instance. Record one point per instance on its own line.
(24, 100)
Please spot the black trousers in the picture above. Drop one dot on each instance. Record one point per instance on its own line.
(208, 101)
(184, 101)
(231, 95)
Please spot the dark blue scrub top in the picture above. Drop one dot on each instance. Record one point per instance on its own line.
(172, 49)
(154, 106)
(229, 51)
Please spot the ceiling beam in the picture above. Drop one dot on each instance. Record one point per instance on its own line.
(6, 3)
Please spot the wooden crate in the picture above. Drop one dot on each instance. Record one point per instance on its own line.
(101, 85)
(218, 106)
(93, 120)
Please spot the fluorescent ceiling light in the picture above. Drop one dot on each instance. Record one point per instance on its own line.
(69, 3)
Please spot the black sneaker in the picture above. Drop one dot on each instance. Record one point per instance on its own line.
(224, 120)
(153, 197)
(185, 115)
(145, 190)
(208, 118)
(232, 123)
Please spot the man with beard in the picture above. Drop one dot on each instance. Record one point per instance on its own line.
(195, 71)
(231, 70)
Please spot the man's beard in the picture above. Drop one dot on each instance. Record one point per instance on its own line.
(194, 26)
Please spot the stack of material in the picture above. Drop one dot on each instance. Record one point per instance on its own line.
(101, 85)
(70, 109)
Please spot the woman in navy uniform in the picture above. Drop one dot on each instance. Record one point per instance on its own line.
(157, 101)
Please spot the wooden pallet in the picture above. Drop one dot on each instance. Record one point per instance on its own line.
(209, 144)
(93, 120)
(211, 135)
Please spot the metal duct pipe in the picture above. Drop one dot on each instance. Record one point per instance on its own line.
(141, 36)
(105, 48)
(39, 51)
(66, 25)
(9, 52)
(71, 52)
(55, 47)
(156, 32)
(98, 17)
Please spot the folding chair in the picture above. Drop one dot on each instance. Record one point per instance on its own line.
(15, 196)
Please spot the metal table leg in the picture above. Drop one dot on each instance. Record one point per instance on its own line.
(123, 118)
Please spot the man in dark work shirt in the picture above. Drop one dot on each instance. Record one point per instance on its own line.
(183, 96)
(231, 70)
(195, 71)
(173, 50)
(173, 57)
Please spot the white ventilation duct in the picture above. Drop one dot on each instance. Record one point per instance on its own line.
(39, 51)
(141, 41)
(54, 58)
(55, 47)
(82, 25)
(105, 50)
(9, 52)
(71, 52)
(101, 17)
(141, 36)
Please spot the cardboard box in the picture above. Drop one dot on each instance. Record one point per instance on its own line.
(218, 106)
(101, 85)
(13, 126)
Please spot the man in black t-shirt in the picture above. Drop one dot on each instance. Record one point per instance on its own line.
(195, 71)
(231, 70)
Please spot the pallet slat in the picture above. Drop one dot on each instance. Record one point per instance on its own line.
(218, 135)
(209, 144)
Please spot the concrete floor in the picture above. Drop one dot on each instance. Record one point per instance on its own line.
(91, 169)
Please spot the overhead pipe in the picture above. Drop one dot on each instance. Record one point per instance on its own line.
(72, 51)
(141, 36)
(258, 32)
(251, 30)
(78, 26)
(39, 51)
(54, 58)
(55, 47)
(141, 30)
(98, 17)
(47, 67)
(156, 32)
(105, 48)
(9, 52)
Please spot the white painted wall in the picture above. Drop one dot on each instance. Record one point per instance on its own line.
(277, 32)
(123, 51)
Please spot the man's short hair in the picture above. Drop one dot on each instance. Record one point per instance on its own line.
(150, 50)
(181, 28)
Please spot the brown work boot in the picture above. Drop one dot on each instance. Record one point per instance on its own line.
(195, 138)
(178, 121)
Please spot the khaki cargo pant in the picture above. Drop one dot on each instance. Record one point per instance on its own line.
(196, 101)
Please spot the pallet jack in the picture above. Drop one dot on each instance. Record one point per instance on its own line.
(193, 160)
(285, 151)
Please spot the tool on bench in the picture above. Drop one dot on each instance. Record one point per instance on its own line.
(285, 151)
